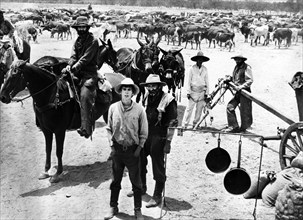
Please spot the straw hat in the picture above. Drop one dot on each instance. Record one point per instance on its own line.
(127, 82)
(81, 21)
(200, 56)
(239, 56)
(153, 79)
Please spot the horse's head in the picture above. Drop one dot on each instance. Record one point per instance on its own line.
(14, 82)
(146, 54)
(108, 55)
(156, 51)
(169, 65)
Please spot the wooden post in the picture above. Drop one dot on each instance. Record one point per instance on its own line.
(263, 104)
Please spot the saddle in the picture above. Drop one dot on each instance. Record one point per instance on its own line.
(65, 90)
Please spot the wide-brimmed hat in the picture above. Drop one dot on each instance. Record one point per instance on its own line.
(153, 79)
(81, 21)
(200, 56)
(239, 56)
(127, 82)
(5, 39)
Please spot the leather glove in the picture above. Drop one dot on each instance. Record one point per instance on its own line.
(167, 147)
(66, 69)
(188, 96)
(137, 151)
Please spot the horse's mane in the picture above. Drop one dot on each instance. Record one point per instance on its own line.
(33, 68)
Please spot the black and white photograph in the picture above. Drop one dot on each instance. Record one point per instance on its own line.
(136, 109)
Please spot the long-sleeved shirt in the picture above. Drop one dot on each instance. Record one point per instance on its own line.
(242, 76)
(84, 54)
(198, 80)
(127, 126)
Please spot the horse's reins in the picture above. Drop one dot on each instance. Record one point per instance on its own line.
(32, 95)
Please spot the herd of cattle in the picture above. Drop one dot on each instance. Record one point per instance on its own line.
(217, 27)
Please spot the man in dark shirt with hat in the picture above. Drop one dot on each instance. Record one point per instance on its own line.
(161, 111)
(83, 63)
(242, 78)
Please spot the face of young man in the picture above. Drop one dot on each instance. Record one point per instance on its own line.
(127, 92)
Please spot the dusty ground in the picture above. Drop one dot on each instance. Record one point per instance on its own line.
(192, 191)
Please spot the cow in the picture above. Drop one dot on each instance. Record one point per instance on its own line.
(124, 27)
(246, 31)
(192, 36)
(262, 31)
(227, 38)
(281, 34)
(211, 33)
(62, 29)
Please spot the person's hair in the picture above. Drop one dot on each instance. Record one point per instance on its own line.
(129, 86)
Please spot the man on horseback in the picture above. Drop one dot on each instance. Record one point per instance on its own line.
(83, 63)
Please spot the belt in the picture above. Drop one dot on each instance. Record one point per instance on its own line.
(124, 148)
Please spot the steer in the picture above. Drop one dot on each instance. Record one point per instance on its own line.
(227, 38)
(192, 36)
(281, 34)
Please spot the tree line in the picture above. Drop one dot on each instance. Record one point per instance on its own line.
(256, 5)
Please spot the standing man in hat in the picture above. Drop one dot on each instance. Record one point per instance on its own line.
(197, 89)
(127, 132)
(242, 77)
(161, 111)
(83, 64)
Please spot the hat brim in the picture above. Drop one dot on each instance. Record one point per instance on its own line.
(203, 58)
(243, 58)
(81, 25)
(159, 83)
(118, 88)
(4, 41)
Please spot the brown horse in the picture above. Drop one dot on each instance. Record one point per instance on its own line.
(56, 111)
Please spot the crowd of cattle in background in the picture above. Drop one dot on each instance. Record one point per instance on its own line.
(217, 27)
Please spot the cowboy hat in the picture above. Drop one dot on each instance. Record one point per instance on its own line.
(239, 57)
(200, 56)
(153, 79)
(81, 21)
(127, 82)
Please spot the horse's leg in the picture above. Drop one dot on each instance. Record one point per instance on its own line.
(48, 150)
(60, 136)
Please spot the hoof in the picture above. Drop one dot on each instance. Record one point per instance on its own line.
(54, 179)
(44, 176)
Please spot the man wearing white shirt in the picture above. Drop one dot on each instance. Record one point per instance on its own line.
(197, 89)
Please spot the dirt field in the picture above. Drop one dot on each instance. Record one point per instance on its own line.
(192, 191)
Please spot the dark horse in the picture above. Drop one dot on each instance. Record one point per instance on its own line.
(136, 64)
(56, 111)
(171, 69)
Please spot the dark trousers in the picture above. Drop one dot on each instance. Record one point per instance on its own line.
(245, 111)
(154, 147)
(121, 159)
(87, 100)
